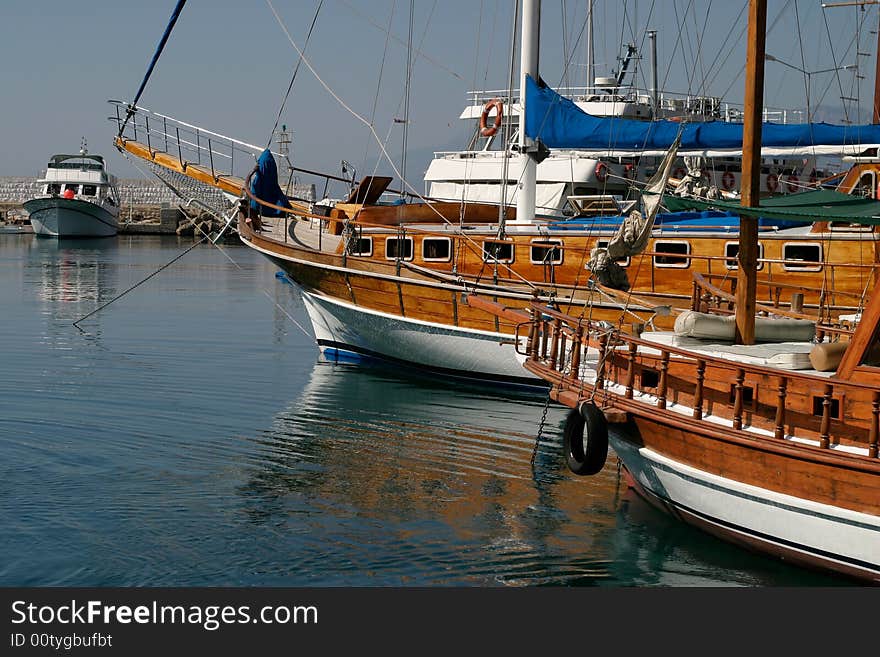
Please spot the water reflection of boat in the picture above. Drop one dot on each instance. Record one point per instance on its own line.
(72, 271)
(376, 478)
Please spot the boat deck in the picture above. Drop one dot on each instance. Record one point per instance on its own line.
(308, 233)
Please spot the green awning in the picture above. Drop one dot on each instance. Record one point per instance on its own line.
(806, 207)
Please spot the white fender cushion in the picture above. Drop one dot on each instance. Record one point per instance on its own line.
(694, 324)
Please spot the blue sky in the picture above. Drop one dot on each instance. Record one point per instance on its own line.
(228, 64)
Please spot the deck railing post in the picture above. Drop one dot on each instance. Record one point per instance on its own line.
(875, 427)
(825, 428)
(546, 336)
(780, 408)
(631, 370)
(165, 132)
(211, 158)
(698, 391)
(147, 126)
(179, 151)
(600, 368)
(664, 373)
(531, 342)
(738, 399)
(554, 349)
(576, 347)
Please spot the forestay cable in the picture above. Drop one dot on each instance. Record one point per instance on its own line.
(174, 15)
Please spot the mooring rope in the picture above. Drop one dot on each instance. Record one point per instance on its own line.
(205, 237)
(138, 284)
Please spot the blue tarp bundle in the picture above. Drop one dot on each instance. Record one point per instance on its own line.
(704, 220)
(559, 123)
(264, 185)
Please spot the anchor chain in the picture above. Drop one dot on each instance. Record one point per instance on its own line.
(540, 430)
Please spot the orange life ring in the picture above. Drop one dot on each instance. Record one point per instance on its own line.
(629, 171)
(792, 183)
(485, 129)
(601, 172)
(772, 182)
(678, 173)
(728, 180)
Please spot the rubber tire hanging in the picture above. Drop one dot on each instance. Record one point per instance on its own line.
(585, 439)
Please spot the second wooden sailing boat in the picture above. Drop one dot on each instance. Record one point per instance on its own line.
(756, 432)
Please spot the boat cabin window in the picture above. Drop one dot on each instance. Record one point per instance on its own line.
(546, 252)
(603, 244)
(436, 249)
(866, 186)
(802, 257)
(676, 254)
(495, 251)
(89, 190)
(399, 248)
(731, 250)
(71, 187)
(53, 188)
(849, 227)
(359, 246)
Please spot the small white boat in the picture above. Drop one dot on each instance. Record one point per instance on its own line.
(78, 198)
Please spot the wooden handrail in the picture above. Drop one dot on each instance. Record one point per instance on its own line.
(569, 323)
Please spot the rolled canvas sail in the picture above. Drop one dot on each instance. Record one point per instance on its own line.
(559, 123)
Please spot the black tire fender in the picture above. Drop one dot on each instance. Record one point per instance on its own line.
(585, 439)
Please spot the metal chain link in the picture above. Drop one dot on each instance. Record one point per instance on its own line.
(540, 430)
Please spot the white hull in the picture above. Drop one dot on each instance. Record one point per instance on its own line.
(794, 528)
(443, 349)
(58, 217)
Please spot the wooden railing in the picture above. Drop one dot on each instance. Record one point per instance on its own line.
(781, 403)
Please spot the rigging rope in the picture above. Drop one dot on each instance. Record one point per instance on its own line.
(295, 71)
(372, 130)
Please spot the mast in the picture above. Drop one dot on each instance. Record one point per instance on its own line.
(655, 102)
(751, 171)
(591, 56)
(531, 29)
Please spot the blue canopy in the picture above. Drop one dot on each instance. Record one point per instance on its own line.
(559, 123)
(264, 185)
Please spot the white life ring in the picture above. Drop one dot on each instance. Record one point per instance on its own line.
(488, 130)
(728, 180)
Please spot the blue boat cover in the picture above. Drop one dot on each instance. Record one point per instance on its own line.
(264, 185)
(559, 123)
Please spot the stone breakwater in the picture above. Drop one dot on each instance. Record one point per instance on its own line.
(147, 206)
(132, 191)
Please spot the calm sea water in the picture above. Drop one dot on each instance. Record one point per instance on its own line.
(190, 434)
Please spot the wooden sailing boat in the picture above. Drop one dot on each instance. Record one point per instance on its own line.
(749, 430)
(390, 281)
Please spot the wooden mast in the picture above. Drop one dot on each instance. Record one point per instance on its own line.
(751, 173)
